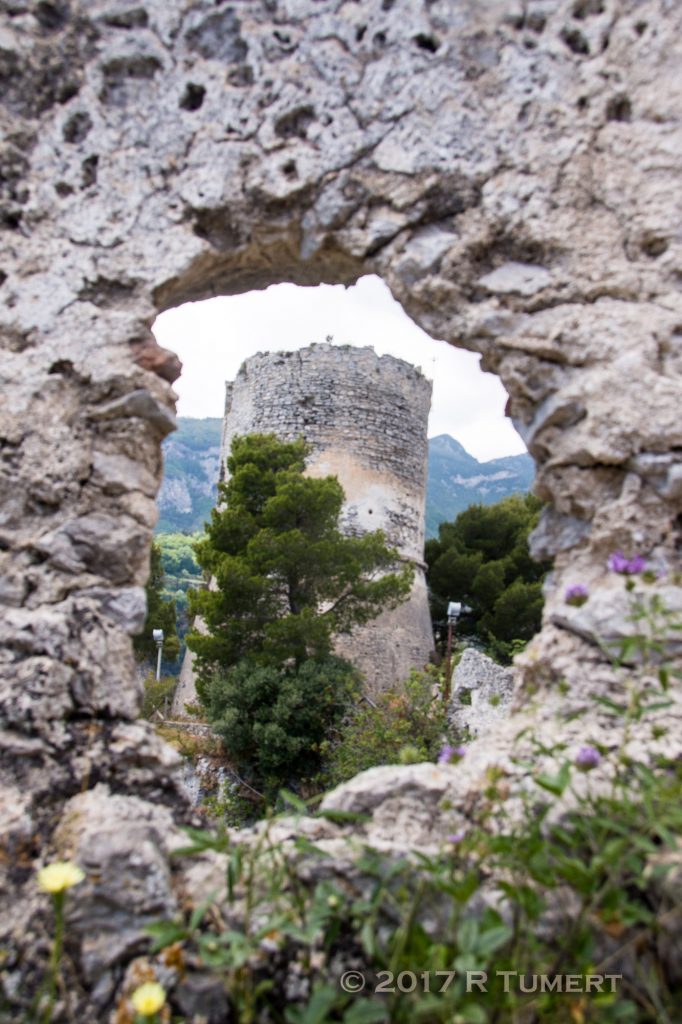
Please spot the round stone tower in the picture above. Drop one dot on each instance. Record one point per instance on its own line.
(365, 419)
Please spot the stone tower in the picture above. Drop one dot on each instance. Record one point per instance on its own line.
(365, 418)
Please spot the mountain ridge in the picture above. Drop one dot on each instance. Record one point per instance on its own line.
(456, 479)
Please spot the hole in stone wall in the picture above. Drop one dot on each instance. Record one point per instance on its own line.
(575, 41)
(193, 96)
(51, 16)
(424, 42)
(77, 127)
(476, 455)
(619, 109)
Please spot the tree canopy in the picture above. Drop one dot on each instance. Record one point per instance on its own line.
(482, 559)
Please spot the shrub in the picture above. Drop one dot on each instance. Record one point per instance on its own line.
(410, 715)
(273, 721)
(158, 695)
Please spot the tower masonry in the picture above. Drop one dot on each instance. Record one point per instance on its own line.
(365, 418)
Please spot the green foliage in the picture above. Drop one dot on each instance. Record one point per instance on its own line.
(273, 721)
(482, 560)
(158, 696)
(177, 554)
(402, 725)
(585, 888)
(287, 579)
(160, 615)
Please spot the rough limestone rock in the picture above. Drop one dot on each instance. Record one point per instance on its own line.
(481, 693)
(510, 170)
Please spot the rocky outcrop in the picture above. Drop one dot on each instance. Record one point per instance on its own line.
(508, 168)
(482, 693)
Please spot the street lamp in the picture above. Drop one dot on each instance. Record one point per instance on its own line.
(158, 640)
(455, 609)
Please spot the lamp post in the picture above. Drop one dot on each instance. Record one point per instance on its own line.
(454, 612)
(158, 640)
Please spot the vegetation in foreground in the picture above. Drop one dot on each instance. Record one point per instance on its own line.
(568, 913)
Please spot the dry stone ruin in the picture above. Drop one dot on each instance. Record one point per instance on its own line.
(510, 169)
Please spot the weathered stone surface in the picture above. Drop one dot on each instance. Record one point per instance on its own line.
(167, 151)
(481, 693)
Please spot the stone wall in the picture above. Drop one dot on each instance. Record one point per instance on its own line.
(509, 168)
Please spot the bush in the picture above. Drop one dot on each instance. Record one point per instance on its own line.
(273, 721)
(411, 715)
(158, 696)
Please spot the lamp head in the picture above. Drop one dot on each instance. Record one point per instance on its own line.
(158, 635)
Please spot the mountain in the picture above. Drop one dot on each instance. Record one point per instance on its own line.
(191, 461)
(456, 479)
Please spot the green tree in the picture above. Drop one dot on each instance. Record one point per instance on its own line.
(287, 580)
(160, 615)
(274, 721)
(482, 559)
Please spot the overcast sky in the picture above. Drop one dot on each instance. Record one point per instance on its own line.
(213, 338)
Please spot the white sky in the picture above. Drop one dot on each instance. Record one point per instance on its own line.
(213, 338)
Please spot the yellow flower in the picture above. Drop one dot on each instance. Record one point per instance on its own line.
(59, 876)
(148, 998)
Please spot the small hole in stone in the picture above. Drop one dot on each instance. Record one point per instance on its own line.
(241, 76)
(575, 41)
(3, 277)
(584, 8)
(192, 97)
(61, 366)
(619, 108)
(606, 39)
(530, 43)
(77, 127)
(641, 27)
(425, 42)
(289, 170)
(654, 246)
(62, 188)
(89, 171)
(583, 103)
(380, 38)
(50, 16)
(386, 5)
(360, 33)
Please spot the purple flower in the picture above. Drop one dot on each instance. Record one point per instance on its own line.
(626, 566)
(587, 758)
(576, 594)
(451, 755)
(456, 837)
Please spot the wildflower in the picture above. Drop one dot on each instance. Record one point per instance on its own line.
(576, 594)
(60, 876)
(626, 566)
(587, 758)
(456, 837)
(451, 755)
(148, 998)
